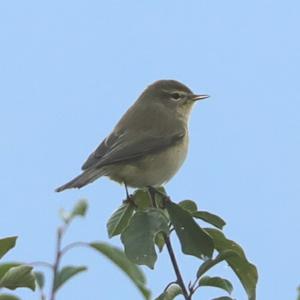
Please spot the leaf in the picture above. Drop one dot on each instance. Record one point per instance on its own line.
(119, 219)
(65, 215)
(5, 267)
(218, 282)
(160, 241)
(212, 262)
(119, 258)
(245, 271)
(8, 297)
(161, 189)
(210, 218)
(138, 237)
(188, 205)
(40, 279)
(160, 198)
(194, 240)
(6, 244)
(80, 209)
(141, 199)
(19, 276)
(171, 293)
(67, 273)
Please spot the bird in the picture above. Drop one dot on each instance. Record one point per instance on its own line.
(150, 142)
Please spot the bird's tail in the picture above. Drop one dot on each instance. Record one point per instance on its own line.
(83, 179)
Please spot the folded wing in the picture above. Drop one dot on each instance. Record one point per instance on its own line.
(127, 146)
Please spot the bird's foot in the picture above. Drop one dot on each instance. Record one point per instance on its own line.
(129, 200)
(164, 198)
(154, 190)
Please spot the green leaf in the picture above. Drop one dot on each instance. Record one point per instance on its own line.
(67, 273)
(19, 276)
(119, 219)
(171, 293)
(131, 270)
(141, 199)
(162, 190)
(6, 244)
(160, 241)
(212, 262)
(5, 267)
(40, 279)
(65, 215)
(138, 237)
(245, 271)
(160, 198)
(210, 218)
(80, 208)
(188, 205)
(194, 240)
(218, 282)
(8, 297)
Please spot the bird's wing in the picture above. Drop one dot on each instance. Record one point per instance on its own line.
(127, 146)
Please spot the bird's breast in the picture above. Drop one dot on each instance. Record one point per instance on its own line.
(153, 169)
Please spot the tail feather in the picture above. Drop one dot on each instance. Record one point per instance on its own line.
(83, 179)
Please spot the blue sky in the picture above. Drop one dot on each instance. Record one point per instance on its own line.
(69, 69)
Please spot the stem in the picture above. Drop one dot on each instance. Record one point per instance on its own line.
(58, 254)
(179, 281)
(176, 267)
(192, 286)
(72, 246)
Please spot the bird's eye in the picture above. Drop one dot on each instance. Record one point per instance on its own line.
(176, 96)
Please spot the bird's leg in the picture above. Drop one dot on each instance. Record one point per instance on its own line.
(153, 191)
(126, 189)
(128, 196)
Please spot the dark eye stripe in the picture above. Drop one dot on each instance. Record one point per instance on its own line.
(175, 96)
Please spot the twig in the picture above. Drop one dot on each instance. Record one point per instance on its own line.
(72, 246)
(193, 287)
(176, 267)
(180, 282)
(58, 254)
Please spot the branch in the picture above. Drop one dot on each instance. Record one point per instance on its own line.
(193, 287)
(58, 254)
(180, 282)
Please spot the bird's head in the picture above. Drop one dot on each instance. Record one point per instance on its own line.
(172, 95)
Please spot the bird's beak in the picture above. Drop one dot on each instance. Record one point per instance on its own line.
(199, 97)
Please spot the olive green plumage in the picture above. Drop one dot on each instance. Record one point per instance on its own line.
(149, 143)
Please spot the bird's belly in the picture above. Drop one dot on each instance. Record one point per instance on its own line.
(151, 170)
